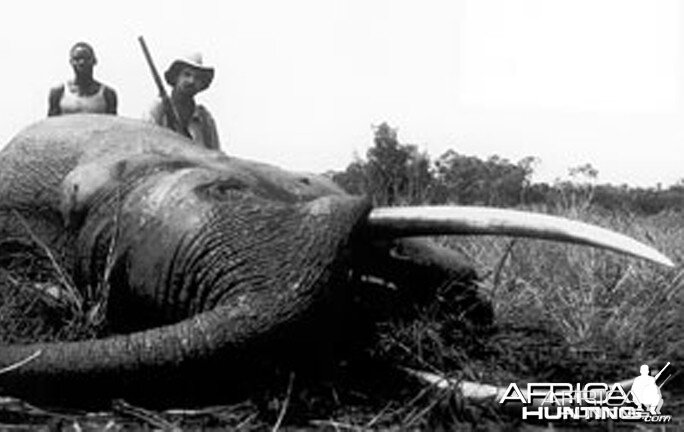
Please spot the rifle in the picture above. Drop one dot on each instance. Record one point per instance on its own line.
(660, 373)
(169, 108)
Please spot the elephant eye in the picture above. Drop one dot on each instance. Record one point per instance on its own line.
(221, 189)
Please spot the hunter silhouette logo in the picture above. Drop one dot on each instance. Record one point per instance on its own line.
(646, 391)
(639, 399)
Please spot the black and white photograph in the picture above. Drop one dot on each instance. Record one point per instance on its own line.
(342, 215)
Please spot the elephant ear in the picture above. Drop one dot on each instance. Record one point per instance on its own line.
(82, 183)
(81, 186)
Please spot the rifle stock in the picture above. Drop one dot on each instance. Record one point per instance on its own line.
(169, 108)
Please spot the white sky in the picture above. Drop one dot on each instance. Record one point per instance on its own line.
(299, 82)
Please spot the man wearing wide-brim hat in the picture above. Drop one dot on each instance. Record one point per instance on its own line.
(187, 76)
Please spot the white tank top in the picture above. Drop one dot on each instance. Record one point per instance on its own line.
(72, 103)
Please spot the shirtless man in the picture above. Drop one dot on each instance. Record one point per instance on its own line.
(82, 94)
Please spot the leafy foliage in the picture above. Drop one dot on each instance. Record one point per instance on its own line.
(394, 173)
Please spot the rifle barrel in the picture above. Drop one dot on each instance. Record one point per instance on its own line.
(174, 118)
(661, 371)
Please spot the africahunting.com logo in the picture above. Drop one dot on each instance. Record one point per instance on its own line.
(639, 399)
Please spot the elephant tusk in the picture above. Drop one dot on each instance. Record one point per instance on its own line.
(478, 392)
(466, 220)
(472, 391)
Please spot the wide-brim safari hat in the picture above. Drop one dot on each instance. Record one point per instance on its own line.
(193, 60)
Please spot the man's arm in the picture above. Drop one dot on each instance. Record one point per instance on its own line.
(213, 143)
(111, 101)
(53, 101)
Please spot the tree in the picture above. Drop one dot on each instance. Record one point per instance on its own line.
(387, 161)
(470, 180)
(353, 179)
(393, 174)
(578, 191)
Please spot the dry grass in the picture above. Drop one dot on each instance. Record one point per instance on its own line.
(38, 299)
(562, 313)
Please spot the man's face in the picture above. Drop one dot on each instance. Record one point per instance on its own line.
(82, 60)
(189, 81)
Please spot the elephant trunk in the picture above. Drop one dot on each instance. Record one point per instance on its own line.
(246, 318)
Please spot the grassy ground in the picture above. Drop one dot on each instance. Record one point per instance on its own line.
(562, 314)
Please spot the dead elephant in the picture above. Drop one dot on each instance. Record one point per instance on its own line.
(210, 258)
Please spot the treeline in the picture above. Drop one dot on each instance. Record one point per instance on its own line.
(393, 173)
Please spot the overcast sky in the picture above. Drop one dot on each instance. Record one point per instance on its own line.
(300, 82)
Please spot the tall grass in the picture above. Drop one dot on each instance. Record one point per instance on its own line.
(563, 313)
(608, 313)
(38, 299)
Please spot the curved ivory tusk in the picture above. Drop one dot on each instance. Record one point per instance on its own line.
(475, 391)
(466, 220)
